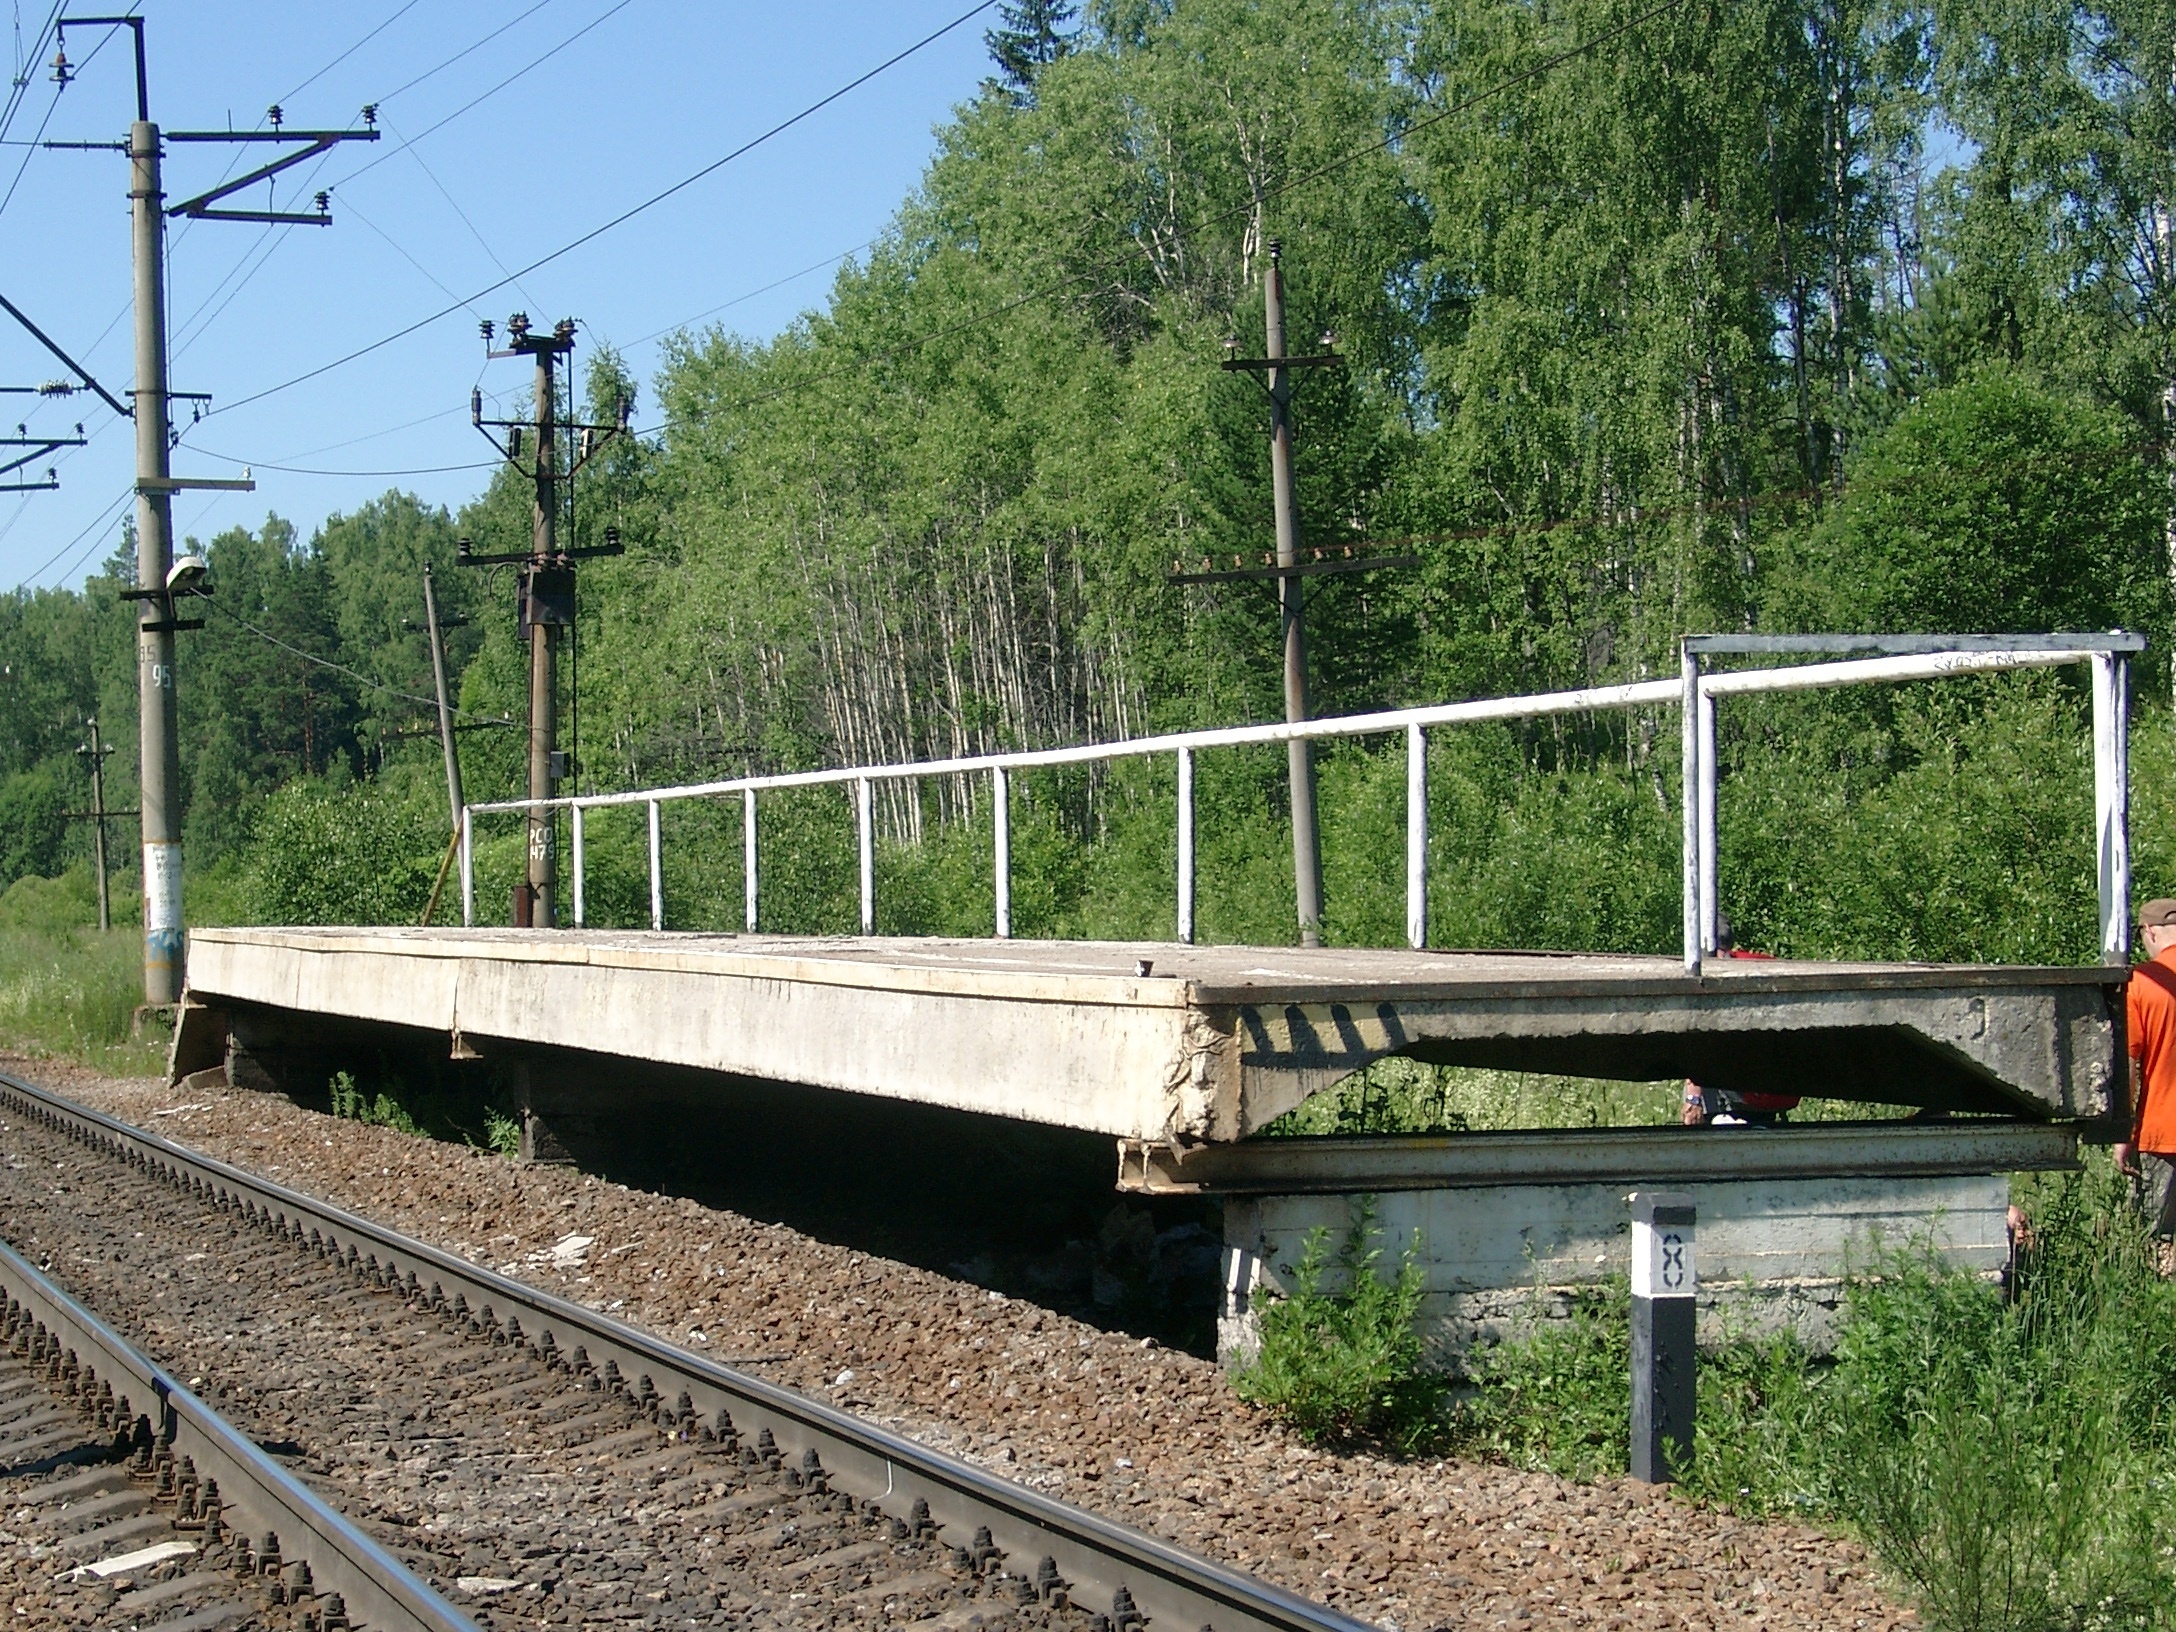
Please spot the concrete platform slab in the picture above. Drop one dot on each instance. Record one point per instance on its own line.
(1184, 1044)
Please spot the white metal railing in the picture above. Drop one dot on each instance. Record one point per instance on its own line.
(1695, 691)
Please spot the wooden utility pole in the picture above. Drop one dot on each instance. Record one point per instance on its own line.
(445, 704)
(545, 589)
(95, 753)
(1275, 368)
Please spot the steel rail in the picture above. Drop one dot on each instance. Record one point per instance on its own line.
(379, 1591)
(1101, 1560)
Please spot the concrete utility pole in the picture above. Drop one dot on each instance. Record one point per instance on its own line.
(158, 725)
(158, 581)
(445, 704)
(95, 753)
(546, 586)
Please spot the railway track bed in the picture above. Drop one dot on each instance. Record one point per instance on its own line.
(540, 1464)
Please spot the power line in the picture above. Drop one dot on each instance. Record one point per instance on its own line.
(310, 470)
(487, 95)
(454, 204)
(404, 10)
(775, 283)
(339, 668)
(466, 50)
(626, 215)
(97, 522)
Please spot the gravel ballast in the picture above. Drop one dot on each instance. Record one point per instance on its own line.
(1146, 1434)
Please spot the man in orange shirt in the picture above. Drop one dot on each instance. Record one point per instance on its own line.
(2150, 1019)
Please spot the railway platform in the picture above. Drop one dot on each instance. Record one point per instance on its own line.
(1177, 1045)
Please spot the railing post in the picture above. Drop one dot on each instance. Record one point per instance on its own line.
(657, 871)
(574, 836)
(748, 852)
(866, 840)
(1689, 707)
(1416, 836)
(468, 869)
(2112, 803)
(1186, 847)
(1711, 906)
(1001, 848)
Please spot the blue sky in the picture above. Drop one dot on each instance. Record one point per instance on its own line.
(640, 94)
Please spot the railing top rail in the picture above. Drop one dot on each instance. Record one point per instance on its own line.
(2115, 640)
(1941, 655)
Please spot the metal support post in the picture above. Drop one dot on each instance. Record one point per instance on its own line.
(748, 853)
(575, 851)
(1416, 836)
(657, 869)
(1186, 846)
(865, 843)
(2112, 803)
(1001, 849)
(1689, 702)
(1664, 1378)
(468, 868)
(161, 801)
(1711, 905)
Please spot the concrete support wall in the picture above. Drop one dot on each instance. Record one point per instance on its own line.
(1773, 1254)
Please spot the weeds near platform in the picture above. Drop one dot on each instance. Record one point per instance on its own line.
(2010, 1460)
(382, 1111)
(502, 1133)
(1344, 1367)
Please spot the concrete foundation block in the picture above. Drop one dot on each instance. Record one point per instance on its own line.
(1499, 1263)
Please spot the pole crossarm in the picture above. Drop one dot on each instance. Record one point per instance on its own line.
(317, 141)
(1302, 569)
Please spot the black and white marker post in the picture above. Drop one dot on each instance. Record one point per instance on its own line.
(1663, 1290)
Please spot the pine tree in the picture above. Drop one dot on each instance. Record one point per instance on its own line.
(1031, 35)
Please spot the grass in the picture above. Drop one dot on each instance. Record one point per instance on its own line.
(67, 991)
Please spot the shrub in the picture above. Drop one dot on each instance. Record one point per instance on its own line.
(1344, 1367)
(341, 856)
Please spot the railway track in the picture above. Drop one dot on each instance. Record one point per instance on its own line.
(165, 1500)
(542, 1462)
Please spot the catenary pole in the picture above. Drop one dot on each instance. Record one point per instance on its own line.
(1300, 756)
(161, 801)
